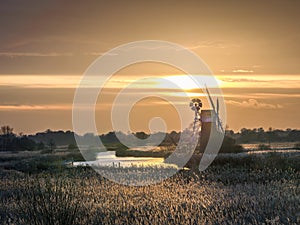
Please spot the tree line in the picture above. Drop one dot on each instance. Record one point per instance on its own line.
(9, 141)
(265, 136)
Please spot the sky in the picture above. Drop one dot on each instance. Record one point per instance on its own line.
(252, 47)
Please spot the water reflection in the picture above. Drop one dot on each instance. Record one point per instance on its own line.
(109, 158)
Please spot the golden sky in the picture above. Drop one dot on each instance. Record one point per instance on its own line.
(251, 46)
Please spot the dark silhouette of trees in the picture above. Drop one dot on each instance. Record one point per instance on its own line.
(6, 130)
(229, 146)
(269, 136)
(50, 139)
(72, 147)
(294, 135)
(22, 144)
(141, 135)
(11, 142)
(7, 136)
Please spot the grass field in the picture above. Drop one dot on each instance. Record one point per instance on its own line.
(234, 190)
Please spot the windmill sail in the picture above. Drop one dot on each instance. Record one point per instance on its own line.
(216, 112)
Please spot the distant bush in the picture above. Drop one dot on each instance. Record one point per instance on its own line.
(40, 146)
(297, 146)
(21, 144)
(74, 156)
(11, 142)
(72, 147)
(229, 146)
(264, 147)
(270, 161)
(46, 151)
(51, 144)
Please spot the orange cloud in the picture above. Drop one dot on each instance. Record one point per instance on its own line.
(242, 71)
(253, 103)
(33, 107)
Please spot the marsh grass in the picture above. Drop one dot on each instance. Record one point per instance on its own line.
(49, 201)
(234, 190)
(264, 147)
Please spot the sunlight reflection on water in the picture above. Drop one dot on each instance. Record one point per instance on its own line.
(110, 159)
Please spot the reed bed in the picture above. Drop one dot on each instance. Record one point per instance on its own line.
(81, 196)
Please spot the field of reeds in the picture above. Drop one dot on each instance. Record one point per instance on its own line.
(234, 190)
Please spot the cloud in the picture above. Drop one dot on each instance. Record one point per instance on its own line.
(276, 95)
(253, 103)
(38, 81)
(100, 54)
(238, 80)
(212, 44)
(202, 44)
(33, 54)
(242, 71)
(260, 81)
(17, 107)
(260, 96)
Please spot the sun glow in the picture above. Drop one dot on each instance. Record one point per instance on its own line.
(183, 82)
(186, 82)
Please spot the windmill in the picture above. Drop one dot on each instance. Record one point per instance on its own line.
(196, 106)
(215, 111)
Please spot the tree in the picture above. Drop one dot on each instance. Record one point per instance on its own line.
(48, 131)
(52, 145)
(22, 143)
(6, 130)
(141, 135)
(7, 134)
(260, 130)
(245, 131)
